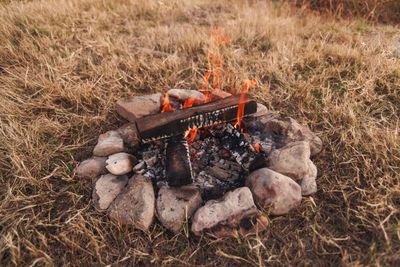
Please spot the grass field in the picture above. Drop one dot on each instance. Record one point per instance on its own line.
(63, 65)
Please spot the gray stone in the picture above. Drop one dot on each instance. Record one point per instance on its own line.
(135, 205)
(129, 134)
(270, 188)
(186, 94)
(91, 168)
(106, 189)
(176, 205)
(293, 160)
(136, 107)
(308, 184)
(120, 163)
(108, 143)
(291, 131)
(219, 94)
(261, 110)
(228, 212)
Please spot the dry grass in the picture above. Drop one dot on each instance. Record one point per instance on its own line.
(63, 64)
(387, 11)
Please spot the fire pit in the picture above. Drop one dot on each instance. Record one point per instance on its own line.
(208, 159)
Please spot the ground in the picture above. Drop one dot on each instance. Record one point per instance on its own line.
(63, 65)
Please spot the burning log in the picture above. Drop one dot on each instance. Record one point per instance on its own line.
(178, 165)
(168, 124)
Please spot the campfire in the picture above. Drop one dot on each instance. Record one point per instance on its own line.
(212, 158)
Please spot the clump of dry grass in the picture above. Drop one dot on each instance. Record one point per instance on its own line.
(64, 64)
(387, 11)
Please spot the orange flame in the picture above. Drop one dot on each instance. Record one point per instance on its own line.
(214, 61)
(257, 147)
(245, 88)
(166, 105)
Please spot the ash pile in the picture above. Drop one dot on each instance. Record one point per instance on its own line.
(215, 173)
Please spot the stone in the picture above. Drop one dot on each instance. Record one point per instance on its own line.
(227, 213)
(106, 189)
(292, 131)
(129, 135)
(91, 168)
(293, 160)
(135, 205)
(108, 143)
(184, 94)
(176, 205)
(136, 107)
(261, 110)
(270, 188)
(120, 163)
(219, 94)
(308, 184)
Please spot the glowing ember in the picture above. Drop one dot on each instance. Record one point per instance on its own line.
(245, 88)
(166, 105)
(257, 147)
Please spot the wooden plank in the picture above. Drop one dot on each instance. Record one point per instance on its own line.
(168, 124)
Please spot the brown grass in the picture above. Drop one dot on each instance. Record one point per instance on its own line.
(63, 64)
(386, 11)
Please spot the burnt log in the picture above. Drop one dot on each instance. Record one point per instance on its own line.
(178, 166)
(168, 124)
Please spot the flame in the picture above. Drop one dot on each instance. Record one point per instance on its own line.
(190, 135)
(245, 88)
(214, 61)
(257, 147)
(217, 78)
(166, 105)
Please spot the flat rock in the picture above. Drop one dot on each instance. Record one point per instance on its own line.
(270, 188)
(292, 131)
(184, 94)
(175, 205)
(293, 160)
(106, 189)
(120, 163)
(227, 213)
(129, 135)
(136, 107)
(219, 94)
(135, 205)
(261, 110)
(108, 143)
(91, 168)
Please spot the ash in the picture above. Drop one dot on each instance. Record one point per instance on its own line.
(221, 157)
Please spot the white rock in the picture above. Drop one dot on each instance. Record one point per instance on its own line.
(227, 212)
(108, 143)
(185, 94)
(270, 188)
(261, 110)
(136, 204)
(91, 168)
(219, 94)
(136, 107)
(293, 160)
(120, 163)
(106, 189)
(175, 205)
(308, 184)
